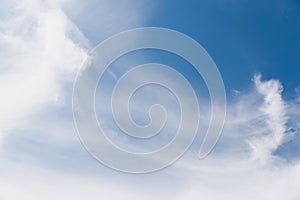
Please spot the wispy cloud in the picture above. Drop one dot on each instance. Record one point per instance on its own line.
(274, 119)
(245, 164)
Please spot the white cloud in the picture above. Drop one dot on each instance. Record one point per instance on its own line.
(232, 179)
(245, 165)
(37, 59)
(274, 111)
(28, 183)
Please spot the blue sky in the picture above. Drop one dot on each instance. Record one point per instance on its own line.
(243, 37)
(256, 47)
(257, 36)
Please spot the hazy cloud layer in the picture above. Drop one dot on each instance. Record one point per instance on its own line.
(41, 49)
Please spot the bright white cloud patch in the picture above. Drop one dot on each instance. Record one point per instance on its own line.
(37, 59)
(274, 116)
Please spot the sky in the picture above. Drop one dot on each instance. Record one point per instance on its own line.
(256, 47)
